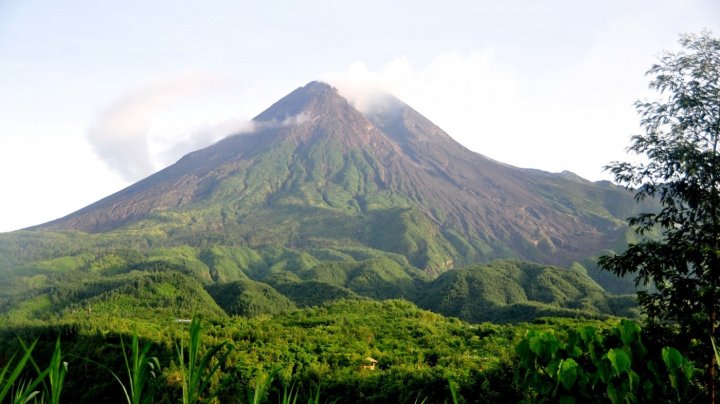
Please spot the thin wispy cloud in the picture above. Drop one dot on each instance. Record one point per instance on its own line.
(121, 134)
(204, 136)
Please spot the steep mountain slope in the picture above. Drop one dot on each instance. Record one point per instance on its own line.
(316, 172)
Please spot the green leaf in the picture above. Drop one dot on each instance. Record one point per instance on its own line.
(629, 332)
(6, 382)
(553, 366)
(634, 379)
(545, 388)
(619, 359)
(613, 394)
(648, 391)
(575, 352)
(567, 400)
(679, 369)
(544, 344)
(586, 333)
(672, 357)
(568, 373)
(604, 371)
(523, 351)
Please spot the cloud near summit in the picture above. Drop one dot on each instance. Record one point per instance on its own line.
(126, 137)
(509, 114)
(466, 94)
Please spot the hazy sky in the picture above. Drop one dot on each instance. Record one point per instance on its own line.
(95, 95)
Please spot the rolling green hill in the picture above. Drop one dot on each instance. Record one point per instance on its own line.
(218, 281)
(322, 201)
(520, 291)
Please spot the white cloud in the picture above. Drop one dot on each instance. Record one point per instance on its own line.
(154, 126)
(202, 137)
(578, 119)
(440, 86)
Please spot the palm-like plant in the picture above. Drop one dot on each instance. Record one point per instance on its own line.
(198, 372)
(139, 366)
(55, 373)
(10, 374)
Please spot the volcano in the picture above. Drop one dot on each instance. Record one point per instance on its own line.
(316, 172)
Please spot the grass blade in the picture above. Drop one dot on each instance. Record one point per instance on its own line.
(453, 392)
(56, 372)
(198, 374)
(17, 370)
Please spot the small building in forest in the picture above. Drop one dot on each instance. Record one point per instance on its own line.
(370, 364)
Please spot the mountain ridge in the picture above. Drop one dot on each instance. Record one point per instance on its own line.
(318, 170)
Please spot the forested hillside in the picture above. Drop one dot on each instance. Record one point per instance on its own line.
(181, 281)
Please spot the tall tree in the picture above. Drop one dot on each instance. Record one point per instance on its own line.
(681, 169)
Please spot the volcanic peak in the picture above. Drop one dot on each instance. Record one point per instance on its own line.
(316, 168)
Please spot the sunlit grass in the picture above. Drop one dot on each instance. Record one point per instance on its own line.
(10, 374)
(197, 373)
(139, 366)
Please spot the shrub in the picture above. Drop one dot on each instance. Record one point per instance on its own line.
(614, 365)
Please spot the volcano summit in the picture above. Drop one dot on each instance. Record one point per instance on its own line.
(317, 172)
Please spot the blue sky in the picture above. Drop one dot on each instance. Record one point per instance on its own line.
(97, 94)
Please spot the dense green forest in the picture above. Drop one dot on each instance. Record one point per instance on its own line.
(326, 351)
(305, 320)
(324, 347)
(225, 281)
(300, 320)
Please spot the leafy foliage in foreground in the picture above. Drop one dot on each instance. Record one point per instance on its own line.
(422, 357)
(308, 349)
(681, 169)
(197, 371)
(10, 373)
(612, 365)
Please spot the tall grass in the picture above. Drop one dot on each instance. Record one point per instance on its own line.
(262, 385)
(139, 366)
(10, 374)
(57, 371)
(199, 371)
(55, 374)
(291, 396)
(263, 381)
(453, 392)
(24, 392)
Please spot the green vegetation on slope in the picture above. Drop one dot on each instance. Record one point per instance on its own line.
(320, 347)
(520, 291)
(249, 298)
(271, 280)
